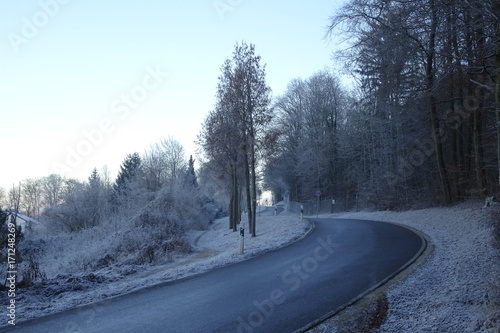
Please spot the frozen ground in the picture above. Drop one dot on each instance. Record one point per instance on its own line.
(216, 247)
(456, 289)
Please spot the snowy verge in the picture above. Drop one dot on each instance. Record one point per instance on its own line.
(455, 289)
(214, 248)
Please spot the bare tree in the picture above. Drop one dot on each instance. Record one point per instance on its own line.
(163, 161)
(32, 196)
(15, 198)
(308, 119)
(243, 101)
(174, 157)
(221, 143)
(52, 190)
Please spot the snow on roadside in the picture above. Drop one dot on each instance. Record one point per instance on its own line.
(457, 289)
(214, 248)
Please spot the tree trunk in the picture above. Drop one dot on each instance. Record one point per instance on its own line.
(436, 131)
(231, 204)
(456, 94)
(497, 103)
(458, 139)
(478, 36)
(478, 150)
(438, 145)
(254, 186)
(248, 189)
(234, 208)
(496, 11)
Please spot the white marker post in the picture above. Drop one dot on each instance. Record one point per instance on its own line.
(301, 213)
(242, 237)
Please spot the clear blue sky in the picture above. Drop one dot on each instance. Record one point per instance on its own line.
(85, 83)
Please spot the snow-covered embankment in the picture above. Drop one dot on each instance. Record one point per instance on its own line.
(455, 289)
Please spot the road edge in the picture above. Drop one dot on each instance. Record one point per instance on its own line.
(404, 271)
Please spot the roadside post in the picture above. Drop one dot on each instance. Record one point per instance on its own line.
(301, 213)
(242, 237)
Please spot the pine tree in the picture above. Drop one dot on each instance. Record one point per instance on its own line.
(129, 171)
(191, 174)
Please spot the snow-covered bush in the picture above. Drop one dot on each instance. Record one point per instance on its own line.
(83, 206)
(99, 225)
(26, 253)
(178, 205)
(176, 208)
(149, 234)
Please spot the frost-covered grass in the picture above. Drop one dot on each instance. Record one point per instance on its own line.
(74, 277)
(456, 289)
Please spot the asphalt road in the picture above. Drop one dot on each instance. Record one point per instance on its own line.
(282, 291)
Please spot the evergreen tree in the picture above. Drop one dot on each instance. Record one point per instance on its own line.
(191, 174)
(93, 199)
(130, 170)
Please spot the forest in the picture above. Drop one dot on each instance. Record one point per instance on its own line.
(418, 129)
(421, 126)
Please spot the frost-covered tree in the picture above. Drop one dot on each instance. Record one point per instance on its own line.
(32, 196)
(129, 190)
(94, 200)
(220, 142)
(234, 132)
(130, 172)
(308, 119)
(52, 190)
(190, 174)
(425, 64)
(162, 162)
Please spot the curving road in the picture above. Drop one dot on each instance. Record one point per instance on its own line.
(282, 291)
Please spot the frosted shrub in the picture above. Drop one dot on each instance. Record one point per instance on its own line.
(96, 226)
